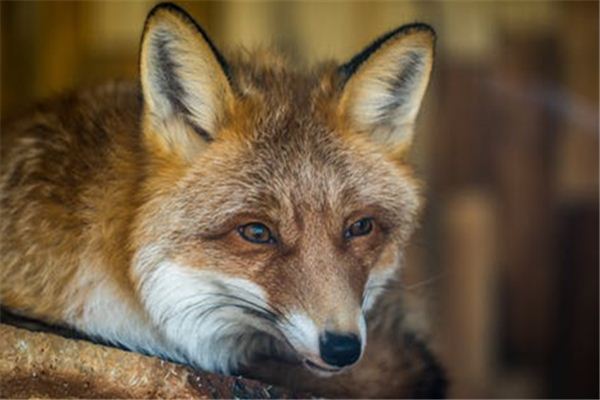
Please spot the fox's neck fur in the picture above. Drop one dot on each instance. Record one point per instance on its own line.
(90, 272)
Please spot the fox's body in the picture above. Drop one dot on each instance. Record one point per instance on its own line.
(70, 194)
(222, 211)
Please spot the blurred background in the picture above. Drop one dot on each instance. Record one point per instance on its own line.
(507, 147)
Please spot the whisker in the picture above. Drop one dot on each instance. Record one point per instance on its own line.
(274, 316)
(213, 301)
(274, 309)
(426, 281)
(398, 284)
(250, 305)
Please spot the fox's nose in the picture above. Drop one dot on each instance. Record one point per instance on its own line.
(339, 349)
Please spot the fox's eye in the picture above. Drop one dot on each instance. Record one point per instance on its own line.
(361, 227)
(256, 232)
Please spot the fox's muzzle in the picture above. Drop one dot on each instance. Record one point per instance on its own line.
(339, 350)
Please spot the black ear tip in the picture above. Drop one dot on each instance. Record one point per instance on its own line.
(348, 69)
(170, 8)
(411, 29)
(416, 27)
(183, 15)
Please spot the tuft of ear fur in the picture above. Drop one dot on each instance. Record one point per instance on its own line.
(184, 81)
(383, 85)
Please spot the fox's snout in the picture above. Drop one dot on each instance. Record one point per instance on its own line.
(327, 347)
(329, 350)
(339, 349)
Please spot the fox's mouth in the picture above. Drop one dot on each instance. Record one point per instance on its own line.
(320, 368)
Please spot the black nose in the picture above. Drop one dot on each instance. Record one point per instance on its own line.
(339, 350)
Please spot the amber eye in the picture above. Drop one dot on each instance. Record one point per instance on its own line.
(256, 232)
(361, 227)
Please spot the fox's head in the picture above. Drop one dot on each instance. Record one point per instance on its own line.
(277, 201)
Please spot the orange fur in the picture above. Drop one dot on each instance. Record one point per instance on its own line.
(105, 187)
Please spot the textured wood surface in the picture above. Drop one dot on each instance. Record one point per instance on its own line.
(42, 365)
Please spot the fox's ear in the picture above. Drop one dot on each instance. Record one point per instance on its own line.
(383, 85)
(184, 81)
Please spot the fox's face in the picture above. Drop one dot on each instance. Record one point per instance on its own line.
(278, 201)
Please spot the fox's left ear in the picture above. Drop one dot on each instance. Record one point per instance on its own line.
(184, 82)
(383, 86)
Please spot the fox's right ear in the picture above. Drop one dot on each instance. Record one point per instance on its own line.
(383, 86)
(184, 81)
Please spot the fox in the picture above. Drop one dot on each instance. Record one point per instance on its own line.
(233, 213)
